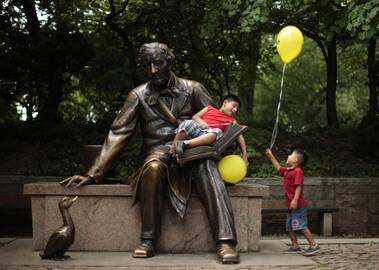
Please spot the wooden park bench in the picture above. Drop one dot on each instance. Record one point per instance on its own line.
(325, 217)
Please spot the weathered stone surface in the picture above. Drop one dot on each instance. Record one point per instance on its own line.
(255, 223)
(320, 203)
(361, 188)
(354, 201)
(273, 203)
(319, 192)
(373, 204)
(356, 198)
(104, 219)
(243, 189)
(38, 217)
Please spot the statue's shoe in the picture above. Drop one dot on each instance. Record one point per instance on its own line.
(144, 250)
(227, 254)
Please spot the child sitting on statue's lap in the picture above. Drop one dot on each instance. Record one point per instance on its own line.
(207, 126)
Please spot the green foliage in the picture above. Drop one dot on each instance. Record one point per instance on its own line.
(303, 91)
(339, 153)
(57, 150)
(84, 56)
(362, 19)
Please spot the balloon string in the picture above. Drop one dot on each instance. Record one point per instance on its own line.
(275, 130)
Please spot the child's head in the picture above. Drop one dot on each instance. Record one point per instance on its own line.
(230, 104)
(298, 157)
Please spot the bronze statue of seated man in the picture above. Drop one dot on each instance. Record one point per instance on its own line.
(157, 107)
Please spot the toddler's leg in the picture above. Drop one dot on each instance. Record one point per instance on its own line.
(291, 227)
(205, 139)
(308, 235)
(313, 247)
(293, 237)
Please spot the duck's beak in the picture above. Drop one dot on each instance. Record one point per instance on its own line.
(75, 198)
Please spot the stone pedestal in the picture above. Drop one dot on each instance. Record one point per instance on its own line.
(105, 221)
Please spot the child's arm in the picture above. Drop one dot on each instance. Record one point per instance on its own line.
(198, 120)
(295, 199)
(274, 161)
(299, 182)
(242, 145)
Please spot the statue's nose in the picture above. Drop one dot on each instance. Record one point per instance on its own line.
(153, 69)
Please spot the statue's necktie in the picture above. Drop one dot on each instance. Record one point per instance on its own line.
(166, 96)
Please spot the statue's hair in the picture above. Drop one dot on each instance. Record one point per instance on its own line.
(169, 56)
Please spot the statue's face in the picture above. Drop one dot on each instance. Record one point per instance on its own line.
(156, 67)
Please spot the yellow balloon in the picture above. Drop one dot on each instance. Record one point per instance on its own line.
(289, 43)
(232, 168)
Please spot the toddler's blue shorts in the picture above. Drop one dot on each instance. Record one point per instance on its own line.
(297, 219)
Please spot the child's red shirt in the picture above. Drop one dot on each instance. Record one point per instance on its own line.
(293, 177)
(216, 118)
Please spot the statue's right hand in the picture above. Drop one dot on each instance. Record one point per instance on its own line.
(77, 180)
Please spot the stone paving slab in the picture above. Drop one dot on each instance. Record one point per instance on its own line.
(6, 240)
(19, 255)
(339, 241)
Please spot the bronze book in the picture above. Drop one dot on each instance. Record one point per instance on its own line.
(230, 135)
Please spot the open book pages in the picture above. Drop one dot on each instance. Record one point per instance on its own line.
(230, 135)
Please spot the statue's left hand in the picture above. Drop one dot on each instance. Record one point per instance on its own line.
(78, 180)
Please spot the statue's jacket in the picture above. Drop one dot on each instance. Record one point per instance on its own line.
(144, 106)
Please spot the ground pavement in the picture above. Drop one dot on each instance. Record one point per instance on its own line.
(342, 253)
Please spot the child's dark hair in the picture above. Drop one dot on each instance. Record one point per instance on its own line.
(232, 98)
(303, 156)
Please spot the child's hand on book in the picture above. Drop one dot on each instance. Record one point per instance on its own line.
(203, 124)
(246, 161)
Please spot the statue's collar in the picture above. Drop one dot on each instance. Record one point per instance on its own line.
(172, 90)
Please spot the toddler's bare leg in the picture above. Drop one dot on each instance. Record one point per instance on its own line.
(205, 139)
(293, 238)
(308, 235)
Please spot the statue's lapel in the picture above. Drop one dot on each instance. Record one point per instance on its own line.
(158, 106)
(180, 98)
(162, 108)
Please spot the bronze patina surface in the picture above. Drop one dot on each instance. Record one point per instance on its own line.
(62, 238)
(157, 107)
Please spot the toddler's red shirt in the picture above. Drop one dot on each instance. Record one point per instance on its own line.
(293, 177)
(216, 118)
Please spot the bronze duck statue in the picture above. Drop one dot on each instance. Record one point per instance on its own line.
(62, 238)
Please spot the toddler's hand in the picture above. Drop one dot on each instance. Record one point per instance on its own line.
(293, 204)
(268, 152)
(203, 125)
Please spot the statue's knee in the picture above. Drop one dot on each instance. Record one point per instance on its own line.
(156, 169)
(154, 165)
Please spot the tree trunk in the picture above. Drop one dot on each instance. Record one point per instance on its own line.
(55, 93)
(29, 108)
(373, 80)
(32, 23)
(111, 21)
(331, 63)
(247, 90)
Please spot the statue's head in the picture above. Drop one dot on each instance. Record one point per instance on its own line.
(67, 201)
(156, 59)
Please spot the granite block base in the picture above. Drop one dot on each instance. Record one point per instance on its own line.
(105, 221)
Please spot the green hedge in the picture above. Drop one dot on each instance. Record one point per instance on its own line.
(57, 150)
